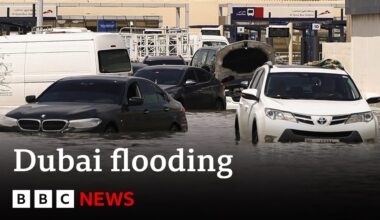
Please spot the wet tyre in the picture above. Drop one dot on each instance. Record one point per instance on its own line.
(174, 128)
(110, 129)
(237, 131)
(255, 135)
(219, 105)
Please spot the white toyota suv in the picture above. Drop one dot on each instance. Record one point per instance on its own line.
(304, 104)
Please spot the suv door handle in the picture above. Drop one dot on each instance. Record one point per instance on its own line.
(146, 111)
(166, 109)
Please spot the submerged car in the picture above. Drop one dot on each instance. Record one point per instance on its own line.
(194, 87)
(233, 64)
(304, 104)
(98, 104)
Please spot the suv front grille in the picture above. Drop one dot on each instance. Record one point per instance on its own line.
(336, 120)
(339, 119)
(29, 124)
(53, 125)
(304, 119)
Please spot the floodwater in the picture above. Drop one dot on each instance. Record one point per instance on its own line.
(303, 180)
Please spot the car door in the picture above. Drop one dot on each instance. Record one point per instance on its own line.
(207, 89)
(165, 114)
(247, 105)
(192, 95)
(156, 108)
(133, 117)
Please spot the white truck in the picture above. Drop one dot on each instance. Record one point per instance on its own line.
(171, 42)
(30, 63)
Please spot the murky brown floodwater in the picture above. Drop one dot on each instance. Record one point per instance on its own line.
(308, 179)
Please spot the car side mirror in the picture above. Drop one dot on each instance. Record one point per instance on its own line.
(135, 101)
(190, 82)
(30, 99)
(373, 100)
(250, 94)
(244, 84)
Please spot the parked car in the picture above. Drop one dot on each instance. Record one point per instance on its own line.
(233, 64)
(304, 104)
(137, 66)
(194, 87)
(98, 104)
(30, 63)
(164, 60)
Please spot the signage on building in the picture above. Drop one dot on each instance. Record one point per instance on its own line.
(302, 12)
(247, 13)
(107, 26)
(26, 11)
(316, 26)
(240, 30)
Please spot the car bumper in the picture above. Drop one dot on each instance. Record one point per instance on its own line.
(284, 131)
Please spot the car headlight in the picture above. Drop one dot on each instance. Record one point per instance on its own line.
(360, 117)
(84, 123)
(280, 115)
(7, 121)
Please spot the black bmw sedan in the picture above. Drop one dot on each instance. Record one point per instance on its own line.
(98, 104)
(194, 87)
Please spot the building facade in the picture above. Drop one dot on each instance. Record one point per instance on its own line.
(160, 13)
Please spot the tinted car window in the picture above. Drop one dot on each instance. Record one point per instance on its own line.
(203, 76)
(199, 58)
(114, 61)
(319, 86)
(133, 91)
(91, 91)
(162, 76)
(190, 75)
(161, 96)
(210, 62)
(151, 93)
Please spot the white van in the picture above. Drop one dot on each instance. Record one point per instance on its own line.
(30, 63)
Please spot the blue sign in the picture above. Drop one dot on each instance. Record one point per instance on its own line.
(107, 26)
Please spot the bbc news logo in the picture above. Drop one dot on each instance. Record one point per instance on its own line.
(43, 199)
(66, 199)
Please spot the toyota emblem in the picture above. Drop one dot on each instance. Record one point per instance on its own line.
(322, 121)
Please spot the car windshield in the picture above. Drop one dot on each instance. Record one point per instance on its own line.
(162, 76)
(213, 44)
(164, 62)
(311, 86)
(87, 91)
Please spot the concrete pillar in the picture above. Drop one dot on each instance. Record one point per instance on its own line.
(178, 17)
(187, 16)
(40, 11)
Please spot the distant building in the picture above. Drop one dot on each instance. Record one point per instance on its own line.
(163, 13)
(361, 54)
